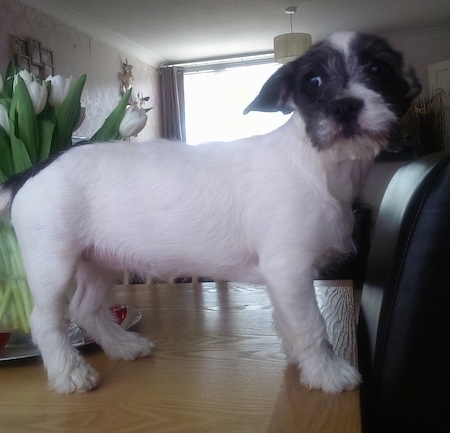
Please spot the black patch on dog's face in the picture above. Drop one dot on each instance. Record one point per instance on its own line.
(334, 82)
(381, 69)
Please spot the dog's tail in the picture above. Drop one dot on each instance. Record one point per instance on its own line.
(5, 199)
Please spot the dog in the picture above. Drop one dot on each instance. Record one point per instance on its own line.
(271, 209)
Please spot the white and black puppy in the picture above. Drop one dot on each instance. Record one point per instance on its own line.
(267, 209)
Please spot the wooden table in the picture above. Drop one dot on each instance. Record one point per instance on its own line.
(217, 368)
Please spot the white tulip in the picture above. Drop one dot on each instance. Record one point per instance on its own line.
(4, 118)
(26, 77)
(133, 121)
(38, 94)
(59, 89)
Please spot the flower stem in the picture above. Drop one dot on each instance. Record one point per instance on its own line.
(16, 303)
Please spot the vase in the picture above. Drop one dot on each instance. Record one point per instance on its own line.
(15, 298)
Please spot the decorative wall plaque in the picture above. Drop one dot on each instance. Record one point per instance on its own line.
(30, 55)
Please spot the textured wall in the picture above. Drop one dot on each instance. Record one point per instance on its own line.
(74, 54)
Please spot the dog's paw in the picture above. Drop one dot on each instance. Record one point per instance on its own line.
(79, 378)
(330, 373)
(128, 346)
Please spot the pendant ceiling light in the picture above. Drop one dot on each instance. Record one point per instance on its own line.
(289, 46)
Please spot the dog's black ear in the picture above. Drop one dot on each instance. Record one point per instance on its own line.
(414, 89)
(276, 92)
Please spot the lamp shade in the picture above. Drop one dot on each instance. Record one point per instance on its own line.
(289, 46)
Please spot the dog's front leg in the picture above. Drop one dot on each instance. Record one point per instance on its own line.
(302, 330)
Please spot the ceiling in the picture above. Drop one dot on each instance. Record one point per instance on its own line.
(159, 31)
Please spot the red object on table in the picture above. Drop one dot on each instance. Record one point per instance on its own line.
(4, 337)
(119, 312)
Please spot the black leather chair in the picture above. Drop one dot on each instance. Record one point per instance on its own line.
(404, 324)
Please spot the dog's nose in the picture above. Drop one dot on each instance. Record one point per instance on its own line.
(347, 109)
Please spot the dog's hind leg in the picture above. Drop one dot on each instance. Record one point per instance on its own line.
(90, 310)
(49, 280)
(302, 330)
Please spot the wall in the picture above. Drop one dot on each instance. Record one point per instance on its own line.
(75, 54)
(423, 48)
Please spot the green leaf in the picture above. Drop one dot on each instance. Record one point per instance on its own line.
(6, 166)
(7, 103)
(3, 177)
(67, 116)
(46, 128)
(2, 91)
(110, 128)
(22, 114)
(20, 159)
(11, 70)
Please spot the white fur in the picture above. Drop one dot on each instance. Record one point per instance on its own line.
(341, 41)
(268, 209)
(257, 210)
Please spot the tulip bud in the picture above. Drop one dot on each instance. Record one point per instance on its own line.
(26, 77)
(4, 119)
(38, 94)
(59, 89)
(133, 121)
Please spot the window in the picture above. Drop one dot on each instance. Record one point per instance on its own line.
(215, 100)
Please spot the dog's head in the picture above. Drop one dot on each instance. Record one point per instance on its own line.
(348, 89)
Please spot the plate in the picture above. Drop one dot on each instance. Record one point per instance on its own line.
(20, 346)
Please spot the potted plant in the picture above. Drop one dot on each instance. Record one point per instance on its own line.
(424, 124)
(37, 119)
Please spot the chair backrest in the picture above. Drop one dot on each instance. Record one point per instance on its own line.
(404, 324)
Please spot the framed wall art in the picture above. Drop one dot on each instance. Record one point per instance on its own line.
(46, 56)
(23, 62)
(34, 48)
(20, 46)
(30, 55)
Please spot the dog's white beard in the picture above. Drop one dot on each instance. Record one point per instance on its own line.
(374, 121)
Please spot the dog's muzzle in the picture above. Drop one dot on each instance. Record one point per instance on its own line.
(345, 113)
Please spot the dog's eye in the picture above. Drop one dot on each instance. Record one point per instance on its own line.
(314, 81)
(379, 69)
